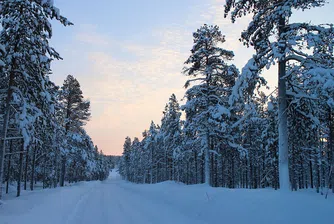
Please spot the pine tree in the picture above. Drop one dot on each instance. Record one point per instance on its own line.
(76, 113)
(205, 101)
(76, 108)
(274, 40)
(26, 30)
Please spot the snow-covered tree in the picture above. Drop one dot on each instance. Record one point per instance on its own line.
(171, 134)
(26, 30)
(76, 113)
(231, 135)
(206, 100)
(76, 108)
(275, 40)
(270, 143)
(125, 168)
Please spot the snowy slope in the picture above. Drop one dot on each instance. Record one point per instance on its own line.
(116, 201)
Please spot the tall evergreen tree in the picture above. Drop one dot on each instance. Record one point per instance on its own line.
(26, 30)
(171, 133)
(126, 157)
(204, 101)
(275, 40)
(76, 113)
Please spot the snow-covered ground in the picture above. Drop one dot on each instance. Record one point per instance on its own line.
(116, 201)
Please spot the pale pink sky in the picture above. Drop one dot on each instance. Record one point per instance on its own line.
(128, 57)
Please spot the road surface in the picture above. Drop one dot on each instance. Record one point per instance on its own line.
(116, 201)
(109, 201)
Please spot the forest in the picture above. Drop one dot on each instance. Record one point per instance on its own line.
(230, 132)
(232, 148)
(43, 139)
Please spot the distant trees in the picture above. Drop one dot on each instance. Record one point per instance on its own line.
(233, 134)
(113, 161)
(126, 158)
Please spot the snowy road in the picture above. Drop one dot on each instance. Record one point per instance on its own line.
(110, 201)
(118, 202)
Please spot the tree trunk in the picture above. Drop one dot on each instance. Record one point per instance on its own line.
(330, 147)
(44, 173)
(311, 174)
(26, 169)
(5, 127)
(293, 169)
(318, 173)
(247, 172)
(151, 166)
(55, 177)
(212, 181)
(18, 193)
(207, 161)
(196, 167)
(301, 171)
(232, 172)
(283, 120)
(32, 175)
(63, 169)
(8, 165)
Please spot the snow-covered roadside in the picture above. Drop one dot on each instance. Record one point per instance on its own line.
(43, 205)
(219, 205)
(12, 190)
(117, 201)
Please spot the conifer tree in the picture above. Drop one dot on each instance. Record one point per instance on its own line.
(126, 156)
(275, 41)
(171, 134)
(76, 113)
(26, 30)
(205, 101)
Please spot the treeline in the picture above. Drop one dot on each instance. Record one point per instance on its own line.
(113, 161)
(234, 135)
(42, 125)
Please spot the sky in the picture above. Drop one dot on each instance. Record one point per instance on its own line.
(128, 57)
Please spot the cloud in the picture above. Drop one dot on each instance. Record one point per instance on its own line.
(127, 94)
(88, 34)
(156, 66)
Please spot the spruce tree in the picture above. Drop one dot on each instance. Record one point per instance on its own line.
(126, 156)
(171, 134)
(76, 112)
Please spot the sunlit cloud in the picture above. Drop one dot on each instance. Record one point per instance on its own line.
(127, 94)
